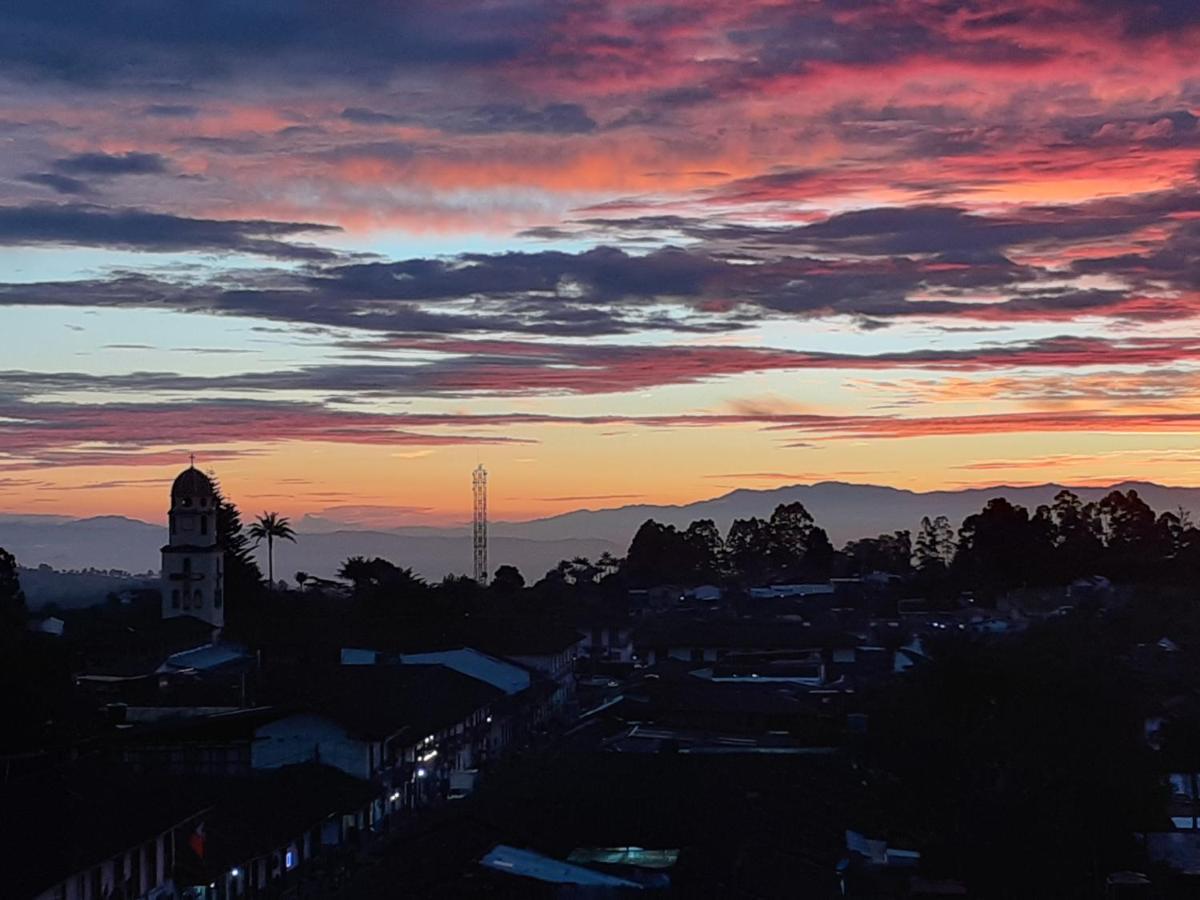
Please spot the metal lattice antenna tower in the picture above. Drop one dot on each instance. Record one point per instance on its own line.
(479, 528)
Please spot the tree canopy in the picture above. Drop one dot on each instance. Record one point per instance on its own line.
(12, 599)
(1001, 547)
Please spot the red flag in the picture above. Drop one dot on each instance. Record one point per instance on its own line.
(196, 840)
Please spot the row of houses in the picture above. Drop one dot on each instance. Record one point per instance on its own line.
(292, 787)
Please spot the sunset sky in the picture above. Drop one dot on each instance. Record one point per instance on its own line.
(616, 251)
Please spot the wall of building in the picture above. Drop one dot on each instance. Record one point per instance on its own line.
(141, 871)
(309, 738)
(192, 585)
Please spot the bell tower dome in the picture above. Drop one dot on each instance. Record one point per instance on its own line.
(193, 562)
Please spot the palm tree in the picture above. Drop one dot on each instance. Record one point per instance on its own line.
(356, 570)
(271, 526)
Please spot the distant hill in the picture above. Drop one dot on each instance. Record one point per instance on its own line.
(429, 556)
(103, 542)
(115, 542)
(846, 511)
(73, 590)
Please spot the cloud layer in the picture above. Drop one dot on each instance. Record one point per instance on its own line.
(476, 223)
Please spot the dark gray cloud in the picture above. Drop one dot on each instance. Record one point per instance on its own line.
(109, 165)
(171, 110)
(872, 265)
(283, 298)
(948, 229)
(464, 368)
(143, 43)
(1154, 17)
(362, 116)
(554, 118)
(385, 151)
(135, 229)
(60, 184)
(495, 118)
(66, 433)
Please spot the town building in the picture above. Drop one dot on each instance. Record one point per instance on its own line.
(193, 561)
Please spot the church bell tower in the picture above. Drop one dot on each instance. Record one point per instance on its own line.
(193, 562)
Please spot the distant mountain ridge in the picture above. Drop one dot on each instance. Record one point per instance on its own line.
(847, 511)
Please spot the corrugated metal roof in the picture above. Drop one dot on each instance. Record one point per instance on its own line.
(527, 864)
(209, 656)
(466, 661)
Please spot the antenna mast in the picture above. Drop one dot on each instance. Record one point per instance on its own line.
(479, 526)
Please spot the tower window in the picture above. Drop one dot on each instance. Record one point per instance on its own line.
(175, 599)
(204, 524)
(197, 600)
(187, 565)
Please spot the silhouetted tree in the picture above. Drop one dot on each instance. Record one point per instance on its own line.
(455, 596)
(655, 555)
(13, 612)
(662, 554)
(357, 571)
(1001, 751)
(798, 548)
(243, 578)
(747, 549)
(1135, 544)
(383, 585)
(608, 563)
(995, 547)
(891, 553)
(508, 580)
(36, 683)
(705, 550)
(934, 550)
(271, 527)
(1077, 536)
(583, 571)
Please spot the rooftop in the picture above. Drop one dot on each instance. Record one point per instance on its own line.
(380, 701)
(191, 482)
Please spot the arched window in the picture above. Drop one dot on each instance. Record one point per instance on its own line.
(175, 599)
(204, 524)
(197, 600)
(187, 565)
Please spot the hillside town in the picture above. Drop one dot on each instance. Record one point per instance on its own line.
(1003, 709)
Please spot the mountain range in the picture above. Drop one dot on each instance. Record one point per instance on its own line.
(846, 511)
